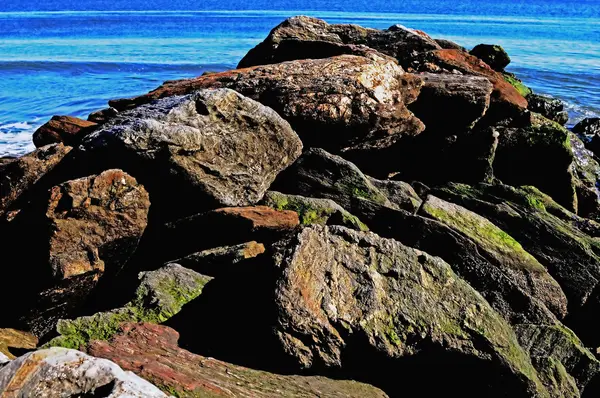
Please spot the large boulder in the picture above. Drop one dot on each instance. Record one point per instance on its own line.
(305, 37)
(346, 298)
(160, 295)
(60, 372)
(341, 103)
(205, 150)
(493, 55)
(20, 175)
(95, 223)
(66, 129)
(548, 107)
(176, 370)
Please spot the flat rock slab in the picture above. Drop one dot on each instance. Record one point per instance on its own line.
(152, 352)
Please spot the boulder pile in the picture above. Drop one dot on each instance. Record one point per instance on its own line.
(351, 213)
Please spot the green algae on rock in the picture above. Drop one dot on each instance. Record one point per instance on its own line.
(160, 295)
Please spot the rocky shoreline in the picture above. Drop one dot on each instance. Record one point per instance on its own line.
(351, 213)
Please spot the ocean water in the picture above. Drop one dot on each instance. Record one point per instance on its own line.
(70, 57)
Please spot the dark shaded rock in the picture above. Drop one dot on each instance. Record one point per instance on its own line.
(305, 37)
(59, 372)
(160, 295)
(322, 175)
(449, 45)
(450, 103)
(540, 155)
(313, 210)
(587, 174)
(176, 371)
(548, 107)
(95, 223)
(223, 260)
(11, 339)
(20, 175)
(103, 115)
(588, 127)
(206, 150)
(66, 129)
(411, 313)
(493, 55)
(341, 103)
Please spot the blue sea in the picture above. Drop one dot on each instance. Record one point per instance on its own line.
(70, 57)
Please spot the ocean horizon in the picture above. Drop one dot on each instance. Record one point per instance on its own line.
(69, 58)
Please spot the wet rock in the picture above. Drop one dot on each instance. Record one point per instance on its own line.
(20, 175)
(340, 103)
(176, 370)
(95, 223)
(314, 210)
(160, 295)
(449, 45)
(548, 107)
(493, 55)
(588, 127)
(322, 175)
(59, 372)
(410, 313)
(206, 150)
(66, 129)
(314, 38)
(11, 339)
(103, 115)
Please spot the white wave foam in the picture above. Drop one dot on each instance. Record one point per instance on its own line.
(15, 138)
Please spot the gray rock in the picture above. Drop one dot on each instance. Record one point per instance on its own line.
(551, 108)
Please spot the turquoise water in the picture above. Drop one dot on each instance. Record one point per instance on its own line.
(62, 57)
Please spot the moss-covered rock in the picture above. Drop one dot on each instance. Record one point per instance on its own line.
(160, 295)
(313, 210)
(493, 55)
(517, 84)
(587, 176)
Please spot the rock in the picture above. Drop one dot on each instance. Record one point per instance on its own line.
(340, 103)
(313, 210)
(411, 314)
(227, 226)
(102, 116)
(556, 237)
(305, 37)
(400, 194)
(4, 360)
(176, 371)
(449, 45)
(548, 107)
(493, 55)
(538, 330)
(11, 339)
(201, 151)
(459, 101)
(59, 372)
(505, 251)
(588, 127)
(320, 174)
(514, 81)
(540, 155)
(160, 295)
(95, 223)
(587, 176)
(66, 129)
(505, 98)
(221, 260)
(20, 175)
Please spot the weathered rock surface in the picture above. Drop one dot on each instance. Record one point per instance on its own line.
(305, 37)
(347, 296)
(449, 45)
(314, 210)
(548, 107)
(103, 115)
(11, 339)
(160, 295)
(95, 223)
(66, 129)
(320, 174)
(493, 55)
(587, 174)
(517, 83)
(20, 175)
(59, 372)
(340, 103)
(209, 149)
(152, 352)
(589, 130)
(459, 101)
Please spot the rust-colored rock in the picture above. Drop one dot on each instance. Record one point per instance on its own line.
(66, 129)
(11, 338)
(345, 102)
(151, 351)
(19, 175)
(96, 223)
